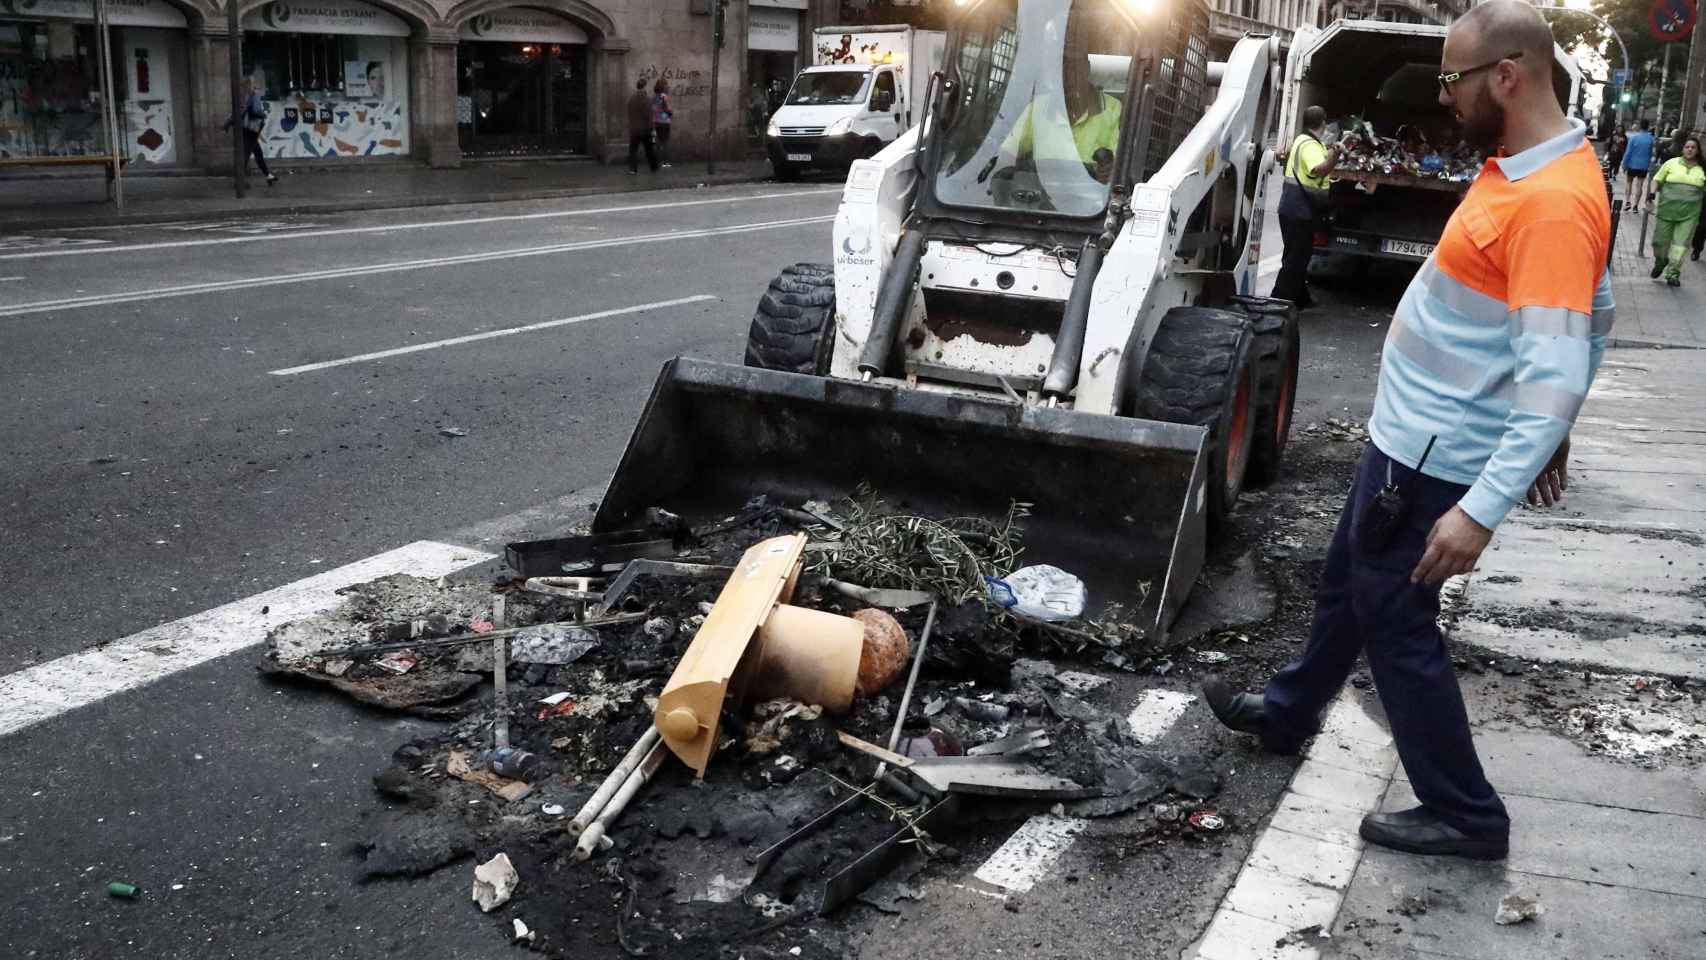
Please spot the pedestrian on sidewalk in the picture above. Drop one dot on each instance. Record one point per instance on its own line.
(1637, 160)
(1303, 206)
(1490, 353)
(640, 129)
(252, 114)
(1680, 185)
(1614, 152)
(663, 112)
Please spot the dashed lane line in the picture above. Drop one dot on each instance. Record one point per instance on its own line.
(40, 693)
(489, 335)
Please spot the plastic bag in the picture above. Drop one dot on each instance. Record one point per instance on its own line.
(1041, 592)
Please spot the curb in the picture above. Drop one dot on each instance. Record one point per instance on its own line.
(1626, 343)
(234, 207)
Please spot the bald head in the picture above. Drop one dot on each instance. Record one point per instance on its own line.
(1499, 28)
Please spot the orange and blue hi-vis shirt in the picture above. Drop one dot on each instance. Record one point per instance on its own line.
(1497, 339)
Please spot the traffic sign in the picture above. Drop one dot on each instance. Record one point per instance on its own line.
(1671, 20)
(1620, 78)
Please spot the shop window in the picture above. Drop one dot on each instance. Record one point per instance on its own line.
(50, 91)
(303, 62)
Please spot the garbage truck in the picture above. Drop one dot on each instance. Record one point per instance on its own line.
(865, 87)
(1407, 169)
(1040, 294)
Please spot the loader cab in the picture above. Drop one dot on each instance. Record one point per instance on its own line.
(1035, 121)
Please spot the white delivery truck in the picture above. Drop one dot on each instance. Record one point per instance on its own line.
(865, 87)
(1386, 76)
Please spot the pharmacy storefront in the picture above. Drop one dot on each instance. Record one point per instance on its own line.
(50, 80)
(521, 84)
(334, 76)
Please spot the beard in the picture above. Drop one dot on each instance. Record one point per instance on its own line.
(1483, 120)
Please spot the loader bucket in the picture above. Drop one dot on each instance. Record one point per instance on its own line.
(1116, 501)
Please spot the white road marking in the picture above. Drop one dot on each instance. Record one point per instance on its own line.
(1156, 713)
(1040, 841)
(47, 690)
(1030, 851)
(9, 279)
(488, 335)
(66, 251)
(320, 276)
(1304, 861)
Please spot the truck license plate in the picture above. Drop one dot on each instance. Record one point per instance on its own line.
(1407, 248)
(800, 157)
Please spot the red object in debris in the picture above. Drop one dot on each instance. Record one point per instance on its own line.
(559, 709)
(1208, 821)
(481, 626)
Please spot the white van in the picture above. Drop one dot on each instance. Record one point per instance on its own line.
(865, 88)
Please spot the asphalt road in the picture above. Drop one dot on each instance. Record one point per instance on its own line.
(191, 421)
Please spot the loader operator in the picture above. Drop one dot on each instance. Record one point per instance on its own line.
(1488, 358)
(1091, 119)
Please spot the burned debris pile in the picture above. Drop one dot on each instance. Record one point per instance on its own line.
(684, 742)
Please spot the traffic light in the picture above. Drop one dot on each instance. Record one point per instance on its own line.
(1624, 98)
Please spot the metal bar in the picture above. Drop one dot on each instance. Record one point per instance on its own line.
(109, 116)
(912, 678)
(234, 29)
(460, 639)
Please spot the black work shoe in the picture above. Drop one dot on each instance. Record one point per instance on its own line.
(1673, 282)
(1418, 831)
(1239, 711)
(1658, 268)
(1695, 255)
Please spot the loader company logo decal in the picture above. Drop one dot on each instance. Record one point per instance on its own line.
(856, 257)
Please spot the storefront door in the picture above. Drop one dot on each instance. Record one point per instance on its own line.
(521, 85)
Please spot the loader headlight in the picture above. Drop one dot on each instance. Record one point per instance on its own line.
(839, 127)
(773, 130)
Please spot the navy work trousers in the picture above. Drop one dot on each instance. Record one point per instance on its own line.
(1367, 604)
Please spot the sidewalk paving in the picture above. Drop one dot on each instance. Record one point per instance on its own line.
(58, 202)
(1647, 310)
(1581, 642)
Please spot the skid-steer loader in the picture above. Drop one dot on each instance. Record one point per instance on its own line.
(1040, 294)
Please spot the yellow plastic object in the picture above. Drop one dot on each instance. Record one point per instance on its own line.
(804, 654)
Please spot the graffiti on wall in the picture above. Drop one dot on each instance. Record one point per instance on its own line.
(309, 125)
(683, 82)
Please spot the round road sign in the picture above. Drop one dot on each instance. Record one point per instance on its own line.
(1671, 20)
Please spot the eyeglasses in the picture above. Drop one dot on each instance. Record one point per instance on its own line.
(1447, 79)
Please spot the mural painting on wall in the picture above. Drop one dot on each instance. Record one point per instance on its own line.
(148, 131)
(683, 82)
(301, 125)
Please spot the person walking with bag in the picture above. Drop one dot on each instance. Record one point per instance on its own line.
(1680, 185)
(663, 112)
(1303, 206)
(640, 129)
(252, 114)
(1490, 353)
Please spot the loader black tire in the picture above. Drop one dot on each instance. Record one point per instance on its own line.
(1198, 371)
(794, 326)
(1278, 349)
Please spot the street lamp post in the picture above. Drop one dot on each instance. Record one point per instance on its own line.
(1609, 29)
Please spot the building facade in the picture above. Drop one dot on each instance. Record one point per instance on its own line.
(435, 81)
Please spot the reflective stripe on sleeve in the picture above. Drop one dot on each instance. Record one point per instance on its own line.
(1546, 401)
(1549, 321)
